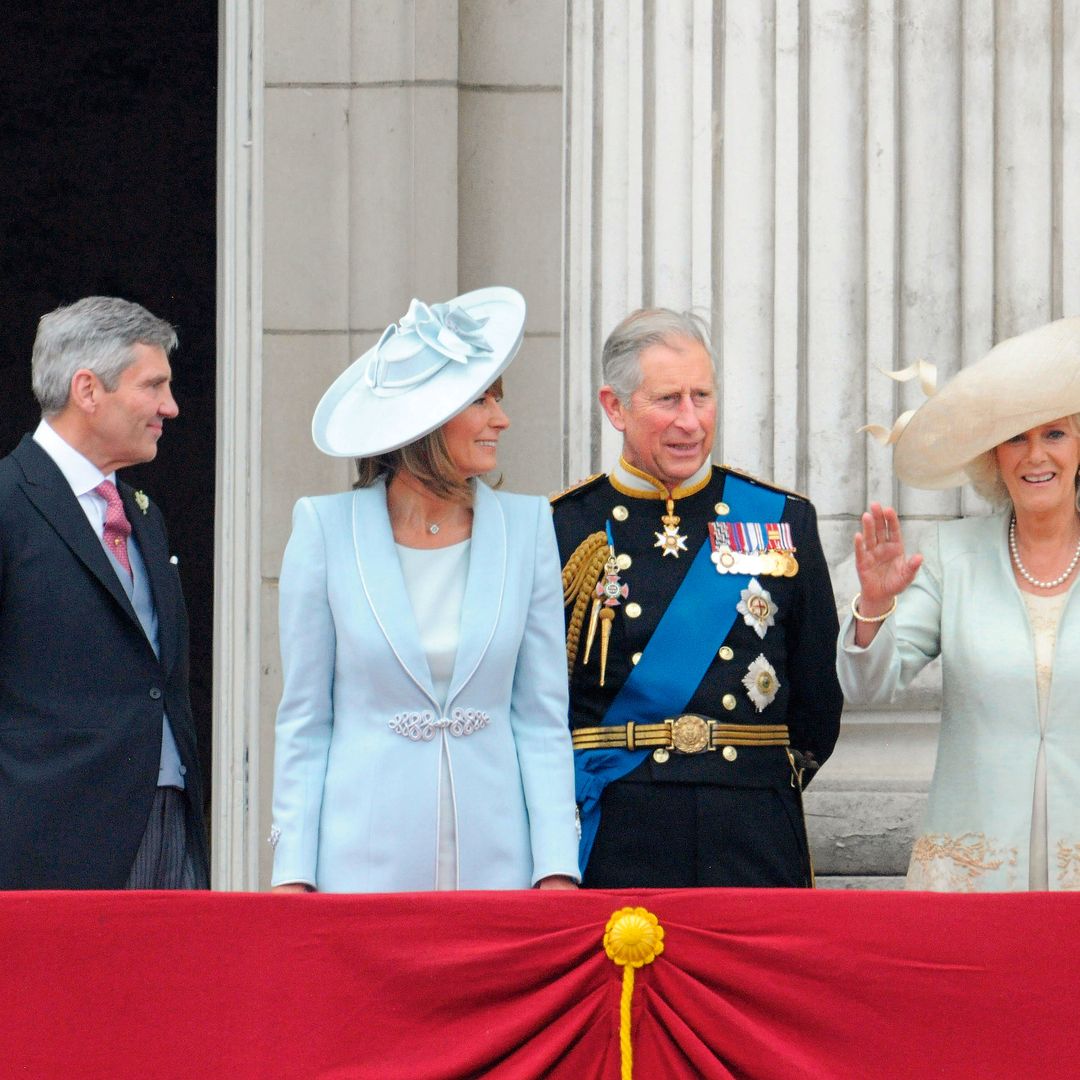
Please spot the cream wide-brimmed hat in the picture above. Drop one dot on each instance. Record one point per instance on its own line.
(1021, 383)
(425, 369)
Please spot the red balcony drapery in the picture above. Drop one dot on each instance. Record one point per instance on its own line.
(751, 983)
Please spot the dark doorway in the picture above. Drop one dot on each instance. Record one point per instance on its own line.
(108, 118)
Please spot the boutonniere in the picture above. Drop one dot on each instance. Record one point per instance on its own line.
(141, 501)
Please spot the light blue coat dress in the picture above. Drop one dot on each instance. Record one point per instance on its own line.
(359, 730)
(964, 605)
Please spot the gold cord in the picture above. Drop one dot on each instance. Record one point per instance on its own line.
(579, 577)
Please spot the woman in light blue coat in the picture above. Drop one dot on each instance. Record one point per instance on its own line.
(995, 598)
(422, 738)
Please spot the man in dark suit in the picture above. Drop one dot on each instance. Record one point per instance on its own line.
(99, 776)
(701, 633)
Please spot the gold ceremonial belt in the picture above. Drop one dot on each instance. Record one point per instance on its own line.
(686, 734)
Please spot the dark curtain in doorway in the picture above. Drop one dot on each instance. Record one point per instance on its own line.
(108, 116)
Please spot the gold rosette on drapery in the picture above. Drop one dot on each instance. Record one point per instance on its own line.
(633, 938)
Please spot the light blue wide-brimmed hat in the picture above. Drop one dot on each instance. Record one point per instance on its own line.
(424, 370)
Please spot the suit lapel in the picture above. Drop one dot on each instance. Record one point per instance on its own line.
(152, 546)
(51, 494)
(384, 584)
(483, 589)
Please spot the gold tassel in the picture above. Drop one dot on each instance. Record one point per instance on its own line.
(606, 616)
(592, 630)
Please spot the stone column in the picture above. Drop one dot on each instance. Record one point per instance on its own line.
(375, 150)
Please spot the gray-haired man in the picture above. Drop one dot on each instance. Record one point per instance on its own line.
(99, 777)
(700, 637)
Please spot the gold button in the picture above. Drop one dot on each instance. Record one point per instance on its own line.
(633, 610)
(729, 702)
(722, 508)
(726, 652)
(623, 561)
(730, 753)
(660, 755)
(620, 513)
(635, 658)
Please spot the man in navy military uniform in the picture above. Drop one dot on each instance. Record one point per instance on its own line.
(701, 631)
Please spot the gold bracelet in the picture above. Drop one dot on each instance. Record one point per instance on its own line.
(870, 618)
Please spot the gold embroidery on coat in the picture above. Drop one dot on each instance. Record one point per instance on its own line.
(956, 863)
(1068, 860)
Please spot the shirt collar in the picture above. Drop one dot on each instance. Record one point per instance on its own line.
(79, 471)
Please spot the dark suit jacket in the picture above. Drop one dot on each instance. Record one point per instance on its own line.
(81, 691)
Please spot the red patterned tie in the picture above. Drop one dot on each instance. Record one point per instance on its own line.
(117, 527)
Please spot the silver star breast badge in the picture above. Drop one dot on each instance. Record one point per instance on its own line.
(757, 608)
(761, 682)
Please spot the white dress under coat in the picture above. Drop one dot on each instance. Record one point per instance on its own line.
(360, 731)
(965, 605)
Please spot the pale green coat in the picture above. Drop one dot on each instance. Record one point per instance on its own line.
(964, 605)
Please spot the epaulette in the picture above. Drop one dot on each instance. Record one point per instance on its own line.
(765, 483)
(581, 485)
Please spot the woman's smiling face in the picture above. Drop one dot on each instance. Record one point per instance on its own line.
(1039, 466)
(472, 437)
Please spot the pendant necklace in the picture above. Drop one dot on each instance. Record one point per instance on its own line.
(434, 526)
(1023, 571)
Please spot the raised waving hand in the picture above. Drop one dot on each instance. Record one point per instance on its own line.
(884, 569)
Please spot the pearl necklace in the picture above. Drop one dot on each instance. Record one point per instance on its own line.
(1023, 571)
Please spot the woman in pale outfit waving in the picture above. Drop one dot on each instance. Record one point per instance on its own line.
(994, 597)
(422, 738)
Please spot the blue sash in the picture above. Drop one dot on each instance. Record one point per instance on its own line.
(674, 661)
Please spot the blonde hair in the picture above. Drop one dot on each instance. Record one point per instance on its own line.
(985, 476)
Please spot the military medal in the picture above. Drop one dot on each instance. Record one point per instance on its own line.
(761, 682)
(670, 541)
(750, 547)
(757, 608)
(782, 548)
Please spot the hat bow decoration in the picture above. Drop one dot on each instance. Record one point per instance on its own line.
(926, 373)
(422, 343)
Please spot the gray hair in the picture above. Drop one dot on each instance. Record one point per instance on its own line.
(640, 329)
(985, 476)
(97, 333)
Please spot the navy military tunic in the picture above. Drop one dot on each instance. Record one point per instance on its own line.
(708, 818)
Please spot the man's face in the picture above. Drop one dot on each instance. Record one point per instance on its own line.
(127, 422)
(668, 426)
